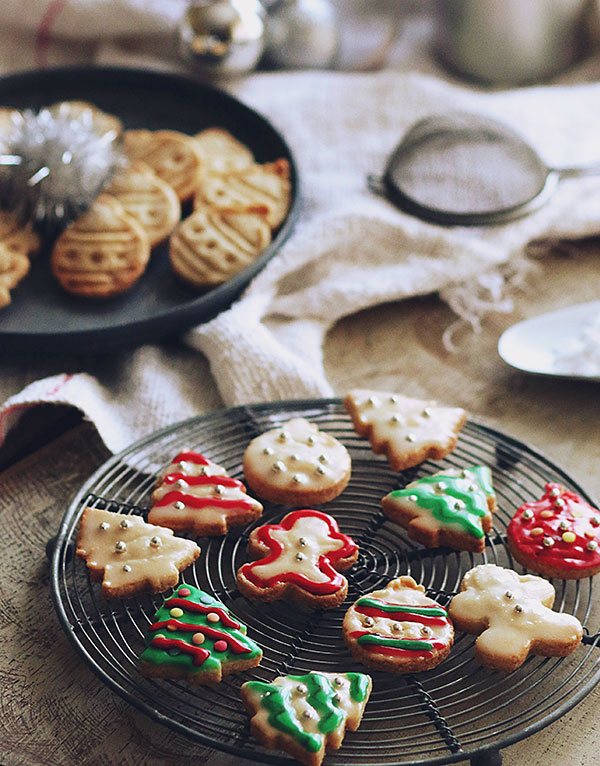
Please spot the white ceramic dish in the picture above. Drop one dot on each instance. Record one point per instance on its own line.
(540, 344)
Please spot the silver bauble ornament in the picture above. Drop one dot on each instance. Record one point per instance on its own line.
(302, 34)
(223, 37)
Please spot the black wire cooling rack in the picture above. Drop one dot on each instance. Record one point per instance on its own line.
(458, 711)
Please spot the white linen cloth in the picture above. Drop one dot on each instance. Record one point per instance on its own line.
(350, 249)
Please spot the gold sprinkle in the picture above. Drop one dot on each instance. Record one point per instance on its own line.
(547, 514)
(537, 531)
(569, 537)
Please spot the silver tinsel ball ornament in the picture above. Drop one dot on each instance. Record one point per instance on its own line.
(53, 165)
(222, 37)
(302, 34)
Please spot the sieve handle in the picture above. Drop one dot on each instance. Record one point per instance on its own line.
(578, 172)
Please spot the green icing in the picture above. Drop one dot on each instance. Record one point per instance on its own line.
(442, 505)
(320, 695)
(359, 686)
(397, 643)
(158, 656)
(426, 611)
(282, 716)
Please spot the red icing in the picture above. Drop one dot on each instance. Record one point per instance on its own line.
(400, 616)
(195, 481)
(204, 502)
(334, 582)
(233, 643)
(199, 654)
(191, 457)
(192, 606)
(563, 555)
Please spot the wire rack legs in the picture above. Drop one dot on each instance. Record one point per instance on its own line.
(489, 758)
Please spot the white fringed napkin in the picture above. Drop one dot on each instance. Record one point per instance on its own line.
(350, 249)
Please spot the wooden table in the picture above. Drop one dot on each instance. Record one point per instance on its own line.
(55, 711)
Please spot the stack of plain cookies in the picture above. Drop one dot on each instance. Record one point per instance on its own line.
(231, 206)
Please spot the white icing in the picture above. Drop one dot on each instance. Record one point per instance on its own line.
(147, 561)
(510, 631)
(315, 533)
(165, 513)
(298, 455)
(193, 469)
(405, 424)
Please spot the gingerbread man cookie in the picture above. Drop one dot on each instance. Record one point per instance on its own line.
(512, 614)
(194, 637)
(557, 536)
(297, 464)
(197, 496)
(398, 629)
(130, 556)
(452, 507)
(301, 558)
(408, 431)
(305, 715)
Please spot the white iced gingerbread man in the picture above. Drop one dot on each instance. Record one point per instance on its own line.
(512, 614)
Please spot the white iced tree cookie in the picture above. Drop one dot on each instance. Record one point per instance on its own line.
(407, 430)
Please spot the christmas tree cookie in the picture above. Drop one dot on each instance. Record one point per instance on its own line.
(300, 558)
(398, 629)
(557, 536)
(305, 715)
(408, 431)
(196, 495)
(130, 556)
(452, 507)
(194, 637)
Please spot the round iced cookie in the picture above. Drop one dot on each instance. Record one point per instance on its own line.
(297, 464)
(398, 629)
(557, 536)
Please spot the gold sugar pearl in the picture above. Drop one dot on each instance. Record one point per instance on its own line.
(547, 514)
(212, 617)
(176, 612)
(198, 638)
(537, 531)
(569, 537)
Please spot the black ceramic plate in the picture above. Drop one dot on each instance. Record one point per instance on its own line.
(43, 317)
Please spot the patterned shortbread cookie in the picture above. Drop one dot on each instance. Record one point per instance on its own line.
(513, 615)
(173, 156)
(221, 152)
(297, 464)
(88, 114)
(213, 244)
(305, 715)
(148, 199)
(452, 507)
(16, 247)
(130, 556)
(398, 629)
(300, 558)
(194, 637)
(102, 253)
(407, 430)
(257, 186)
(207, 503)
(557, 536)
